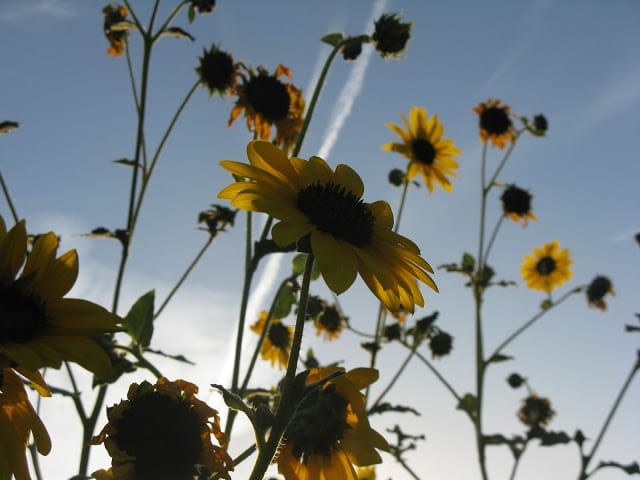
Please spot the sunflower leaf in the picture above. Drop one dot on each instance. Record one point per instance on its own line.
(177, 32)
(285, 300)
(468, 262)
(191, 13)
(8, 126)
(139, 320)
(499, 357)
(332, 39)
(469, 404)
(630, 468)
(549, 439)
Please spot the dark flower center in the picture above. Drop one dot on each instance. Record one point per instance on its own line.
(546, 266)
(268, 96)
(21, 316)
(495, 120)
(515, 200)
(279, 335)
(598, 288)
(423, 151)
(318, 424)
(216, 70)
(540, 123)
(335, 210)
(163, 434)
(331, 319)
(441, 344)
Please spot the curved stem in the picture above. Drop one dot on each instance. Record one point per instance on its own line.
(263, 335)
(314, 98)
(394, 379)
(612, 412)
(286, 405)
(7, 195)
(531, 321)
(438, 375)
(184, 276)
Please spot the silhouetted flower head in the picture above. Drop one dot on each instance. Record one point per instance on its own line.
(516, 204)
(495, 123)
(217, 71)
(440, 344)
(390, 35)
(114, 14)
(536, 412)
(597, 290)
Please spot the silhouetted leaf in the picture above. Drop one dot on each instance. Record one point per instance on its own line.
(177, 32)
(139, 320)
(387, 407)
(468, 262)
(332, 39)
(549, 439)
(469, 404)
(498, 357)
(177, 358)
(286, 299)
(630, 468)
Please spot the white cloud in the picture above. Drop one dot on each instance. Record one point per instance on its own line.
(42, 8)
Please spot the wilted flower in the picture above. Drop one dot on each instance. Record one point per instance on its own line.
(495, 123)
(114, 14)
(329, 322)
(597, 290)
(391, 35)
(217, 71)
(440, 344)
(516, 204)
(536, 412)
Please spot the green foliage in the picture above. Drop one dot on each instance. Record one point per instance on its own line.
(333, 39)
(139, 320)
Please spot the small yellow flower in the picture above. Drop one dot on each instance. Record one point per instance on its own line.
(495, 123)
(114, 14)
(38, 327)
(346, 235)
(267, 101)
(428, 153)
(162, 431)
(329, 322)
(548, 268)
(329, 431)
(18, 421)
(277, 343)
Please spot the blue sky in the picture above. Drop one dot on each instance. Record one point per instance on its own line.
(576, 62)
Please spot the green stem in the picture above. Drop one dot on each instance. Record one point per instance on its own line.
(315, 97)
(249, 269)
(494, 234)
(503, 162)
(263, 335)
(404, 465)
(394, 379)
(286, 405)
(438, 375)
(516, 462)
(7, 195)
(585, 464)
(88, 430)
(184, 276)
(76, 395)
(531, 321)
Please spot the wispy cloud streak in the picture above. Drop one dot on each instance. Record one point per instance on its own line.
(350, 91)
(43, 8)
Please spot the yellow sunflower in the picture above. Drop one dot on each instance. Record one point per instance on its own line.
(162, 431)
(268, 101)
(428, 153)
(330, 431)
(18, 420)
(367, 473)
(548, 268)
(38, 327)
(495, 122)
(347, 235)
(277, 342)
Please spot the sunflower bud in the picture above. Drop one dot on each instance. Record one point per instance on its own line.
(515, 381)
(391, 35)
(352, 47)
(397, 177)
(217, 71)
(539, 126)
(441, 344)
(597, 290)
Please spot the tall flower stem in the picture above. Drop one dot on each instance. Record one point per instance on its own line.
(7, 195)
(286, 406)
(586, 459)
(395, 378)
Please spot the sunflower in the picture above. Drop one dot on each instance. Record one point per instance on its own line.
(347, 235)
(277, 342)
(162, 432)
(367, 473)
(536, 412)
(38, 327)
(548, 268)
(217, 71)
(268, 101)
(114, 14)
(18, 420)
(428, 153)
(329, 431)
(597, 290)
(495, 122)
(329, 322)
(516, 204)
